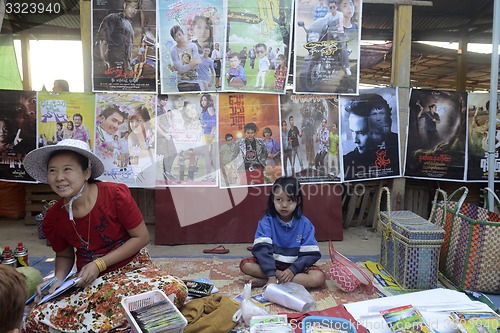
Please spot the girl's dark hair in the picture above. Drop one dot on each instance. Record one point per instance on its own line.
(291, 186)
(82, 160)
(210, 102)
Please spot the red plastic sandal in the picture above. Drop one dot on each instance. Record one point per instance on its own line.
(217, 250)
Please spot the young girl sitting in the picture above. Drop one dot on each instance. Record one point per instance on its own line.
(284, 248)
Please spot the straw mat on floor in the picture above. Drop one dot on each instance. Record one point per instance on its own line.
(226, 275)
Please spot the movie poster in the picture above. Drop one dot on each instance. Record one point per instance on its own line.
(249, 137)
(327, 46)
(124, 45)
(192, 45)
(18, 134)
(477, 138)
(65, 115)
(187, 140)
(258, 46)
(125, 138)
(310, 137)
(369, 132)
(436, 135)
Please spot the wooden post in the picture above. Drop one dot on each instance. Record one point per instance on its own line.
(85, 31)
(25, 53)
(462, 64)
(400, 77)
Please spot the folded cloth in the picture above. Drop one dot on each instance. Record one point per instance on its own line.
(211, 314)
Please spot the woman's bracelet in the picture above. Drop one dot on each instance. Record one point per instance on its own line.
(100, 264)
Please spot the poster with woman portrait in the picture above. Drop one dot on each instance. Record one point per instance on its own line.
(310, 137)
(65, 115)
(124, 45)
(327, 46)
(18, 134)
(436, 138)
(191, 35)
(187, 140)
(478, 114)
(125, 137)
(369, 132)
(249, 137)
(258, 46)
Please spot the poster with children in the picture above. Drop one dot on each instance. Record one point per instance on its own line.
(187, 140)
(327, 46)
(125, 137)
(477, 137)
(258, 46)
(124, 46)
(192, 44)
(249, 136)
(65, 115)
(310, 137)
(18, 134)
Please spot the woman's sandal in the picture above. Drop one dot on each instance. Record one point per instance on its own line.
(217, 250)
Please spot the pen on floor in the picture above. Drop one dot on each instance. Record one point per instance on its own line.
(47, 285)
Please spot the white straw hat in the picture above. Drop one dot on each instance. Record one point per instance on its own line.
(35, 162)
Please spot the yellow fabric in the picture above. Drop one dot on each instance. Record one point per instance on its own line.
(211, 314)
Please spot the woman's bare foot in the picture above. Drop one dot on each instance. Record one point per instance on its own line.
(258, 282)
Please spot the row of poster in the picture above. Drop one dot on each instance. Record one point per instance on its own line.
(242, 139)
(225, 46)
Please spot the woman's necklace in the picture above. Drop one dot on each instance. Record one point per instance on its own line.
(86, 243)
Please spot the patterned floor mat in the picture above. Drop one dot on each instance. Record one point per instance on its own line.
(226, 275)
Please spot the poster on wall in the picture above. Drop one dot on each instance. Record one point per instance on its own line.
(436, 135)
(65, 115)
(125, 137)
(310, 137)
(258, 46)
(327, 46)
(187, 140)
(477, 137)
(369, 132)
(124, 45)
(249, 136)
(18, 135)
(192, 46)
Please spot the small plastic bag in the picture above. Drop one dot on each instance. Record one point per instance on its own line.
(290, 295)
(345, 274)
(248, 308)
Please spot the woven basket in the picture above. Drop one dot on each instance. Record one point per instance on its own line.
(470, 256)
(410, 247)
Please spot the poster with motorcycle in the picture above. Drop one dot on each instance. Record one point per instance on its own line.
(125, 137)
(436, 137)
(124, 46)
(192, 45)
(249, 136)
(369, 132)
(310, 137)
(327, 46)
(258, 46)
(477, 137)
(18, 133)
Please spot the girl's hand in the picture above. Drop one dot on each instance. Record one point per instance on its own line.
(271, 280)
(88, 274)
(286, 276)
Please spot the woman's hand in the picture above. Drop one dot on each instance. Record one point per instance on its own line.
(42, 290)
(88, 274)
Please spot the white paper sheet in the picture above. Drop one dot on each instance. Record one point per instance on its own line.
(435, 306)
